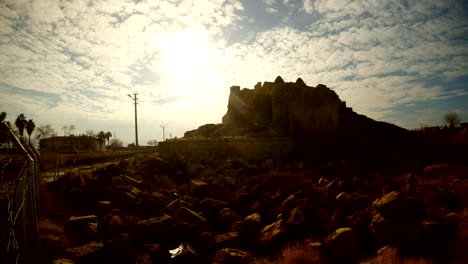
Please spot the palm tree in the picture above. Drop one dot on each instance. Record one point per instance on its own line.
(101, 137)
(30, 126)
(108, 136)
(20, 123)
(2, 116)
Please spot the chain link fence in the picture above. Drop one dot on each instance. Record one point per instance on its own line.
(19, 182)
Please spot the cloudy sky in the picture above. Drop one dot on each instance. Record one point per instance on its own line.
(74, 61)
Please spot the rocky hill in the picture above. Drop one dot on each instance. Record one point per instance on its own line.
(309, 116)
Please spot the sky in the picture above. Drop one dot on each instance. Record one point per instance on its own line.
(74, 62)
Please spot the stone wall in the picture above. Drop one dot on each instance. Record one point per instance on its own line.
(226, 147)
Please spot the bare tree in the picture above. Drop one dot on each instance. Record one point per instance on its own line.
(45, 131)
(115, 142)
(67, 130)
(452, 119)
(90, 133)
(152, 142)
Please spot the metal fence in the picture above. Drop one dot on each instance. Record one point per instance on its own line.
(19, 182)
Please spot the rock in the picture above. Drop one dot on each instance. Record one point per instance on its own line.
(88, 253)
(144, 258)
(435, 232)
(174, 207)
(110, 225)
(342, 242)
(295, 222)
(210, 204)
(227, 217)
(157, 254)
(241, 201)
(81, 229)
(154, 229)
(273, 234)
(388, 230)
(227, 240)
(210, 208)
(336, 220)
(323, 182)
(288, 204)
(231, 256)
(333, 188)
(393, 205)
(183, 231)
(51, 246)
(103, 208)
(250, 226)
(198, 187)
(189, 216)
(120, 249)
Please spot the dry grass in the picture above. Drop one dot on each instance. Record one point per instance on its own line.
(300, 254)
(388, 255)
(47, 227)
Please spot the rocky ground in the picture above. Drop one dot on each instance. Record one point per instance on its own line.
(151, 210)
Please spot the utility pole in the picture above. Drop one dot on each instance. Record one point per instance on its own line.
(134, 98)
(164, 136)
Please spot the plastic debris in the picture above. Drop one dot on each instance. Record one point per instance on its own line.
(177, 251)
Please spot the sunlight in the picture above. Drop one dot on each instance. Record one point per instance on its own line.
(187, 53)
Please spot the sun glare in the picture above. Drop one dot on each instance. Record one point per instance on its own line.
(186, 53)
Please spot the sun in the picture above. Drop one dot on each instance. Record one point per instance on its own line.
(186, 53)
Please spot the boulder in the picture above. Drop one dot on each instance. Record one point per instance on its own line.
(226, 218)
(120, 249)
(80, 230)
(231, 256)
(157, 254)
(103, 208)
(288, 204)
(198, 187)
(189, 216)
(174, 207)
(144, 258)
(342, 242)
(250, 226)
(389, 230)
(273, 234)
(110, 225)
(227, 240)
(394, 205)
(154, 229)
(88, 253)
(295, 221)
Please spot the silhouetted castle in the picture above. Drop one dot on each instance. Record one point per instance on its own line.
(311, 117)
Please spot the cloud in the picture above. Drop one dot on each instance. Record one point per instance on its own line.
(181, 56)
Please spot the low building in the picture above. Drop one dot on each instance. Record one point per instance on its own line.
(70, 144)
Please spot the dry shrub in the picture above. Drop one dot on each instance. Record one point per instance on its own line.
(300, 254)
